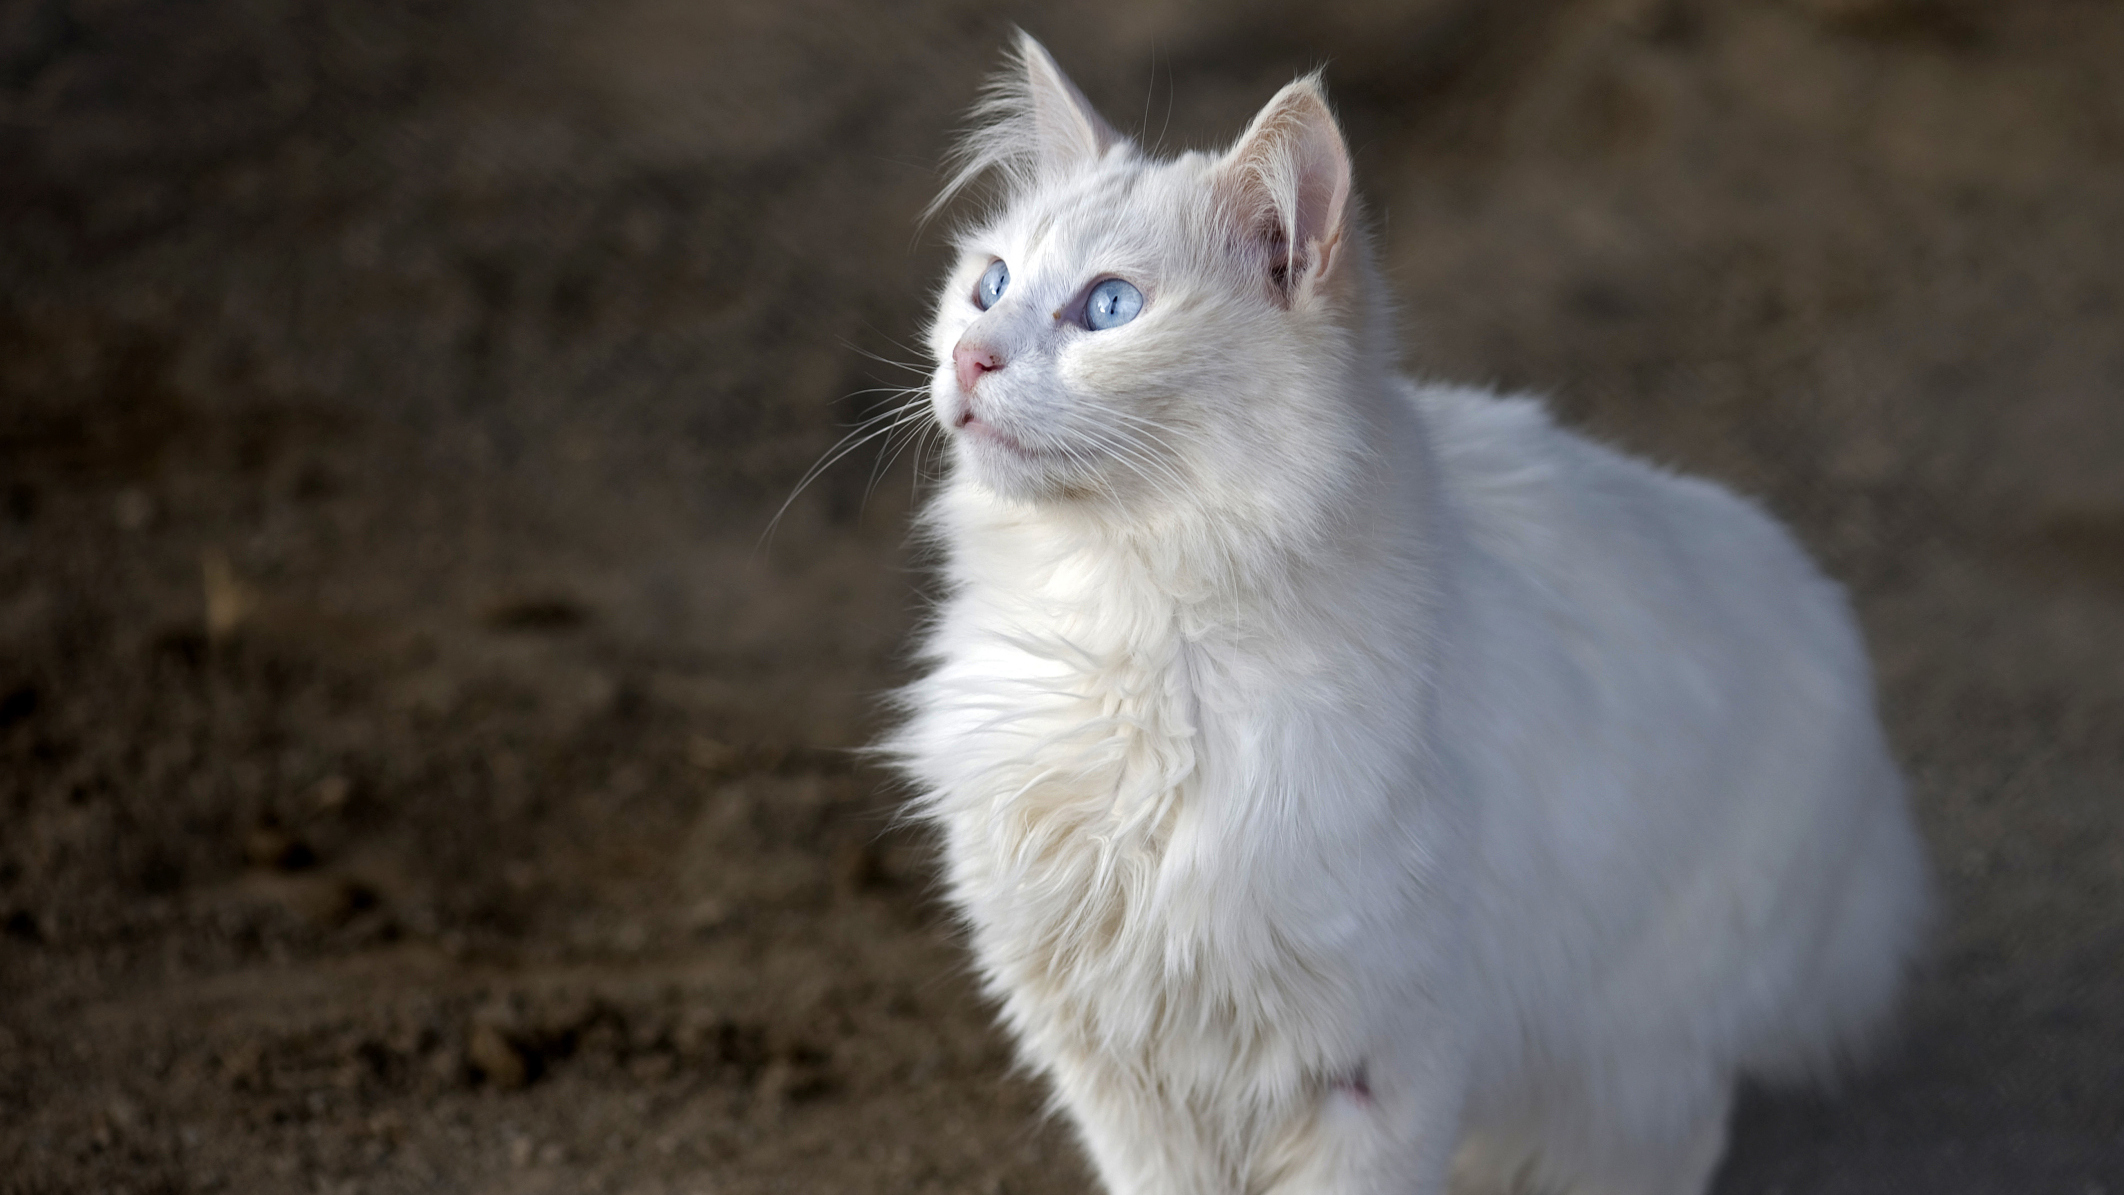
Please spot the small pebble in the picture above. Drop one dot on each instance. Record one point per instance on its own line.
(494, 1056)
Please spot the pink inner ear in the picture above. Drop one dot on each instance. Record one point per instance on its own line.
(1323, 186)
(1288, 181)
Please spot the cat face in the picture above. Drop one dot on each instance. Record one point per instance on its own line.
(1131, 332)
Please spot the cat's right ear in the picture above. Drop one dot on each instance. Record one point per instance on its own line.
(1068, 133)
(1032, 124)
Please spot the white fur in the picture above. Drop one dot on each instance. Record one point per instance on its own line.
(1350, 784)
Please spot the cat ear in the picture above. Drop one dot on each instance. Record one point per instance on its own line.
(1285, 188)
(1067, 132)
(1032, 124)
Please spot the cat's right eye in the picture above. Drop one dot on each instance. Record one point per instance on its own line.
(993, 283)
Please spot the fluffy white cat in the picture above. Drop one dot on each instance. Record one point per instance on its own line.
(1353, 784)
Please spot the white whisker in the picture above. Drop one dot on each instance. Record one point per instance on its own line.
(864, 432)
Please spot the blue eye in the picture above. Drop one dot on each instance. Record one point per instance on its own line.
(1111, 304)
(993, 283)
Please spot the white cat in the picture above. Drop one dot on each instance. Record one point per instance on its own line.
(1351, 784)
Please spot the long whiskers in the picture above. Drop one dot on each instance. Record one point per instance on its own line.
(1142, 450)
(1145, 447)
(905, 434)
(912, 409)
(913, 367)
(918, 354)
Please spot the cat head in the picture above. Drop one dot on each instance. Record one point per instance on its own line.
(1130, 335)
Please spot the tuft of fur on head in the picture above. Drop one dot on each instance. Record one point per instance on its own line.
(1029, 120)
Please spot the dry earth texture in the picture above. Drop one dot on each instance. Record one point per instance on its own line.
(414, 777)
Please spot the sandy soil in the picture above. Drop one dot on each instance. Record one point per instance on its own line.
(417, 779)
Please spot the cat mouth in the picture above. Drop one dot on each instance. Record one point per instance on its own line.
(983, 432)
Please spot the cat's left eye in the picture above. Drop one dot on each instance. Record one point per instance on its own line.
(993, 283)
(1111, 304)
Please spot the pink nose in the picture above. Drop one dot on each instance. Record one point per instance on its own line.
(971, 361)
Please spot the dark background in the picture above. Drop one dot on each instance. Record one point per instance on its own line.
(415, 777)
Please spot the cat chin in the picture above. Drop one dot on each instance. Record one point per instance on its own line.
(1005, 466)
(987, 437)
(1026, 478)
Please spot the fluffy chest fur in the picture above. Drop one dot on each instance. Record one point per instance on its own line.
(1161, 817)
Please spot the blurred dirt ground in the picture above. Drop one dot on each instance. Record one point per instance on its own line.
(416, 779)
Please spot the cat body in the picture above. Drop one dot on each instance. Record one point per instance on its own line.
(1352, 785)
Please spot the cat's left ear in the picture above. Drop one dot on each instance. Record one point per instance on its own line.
(1284, 189)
